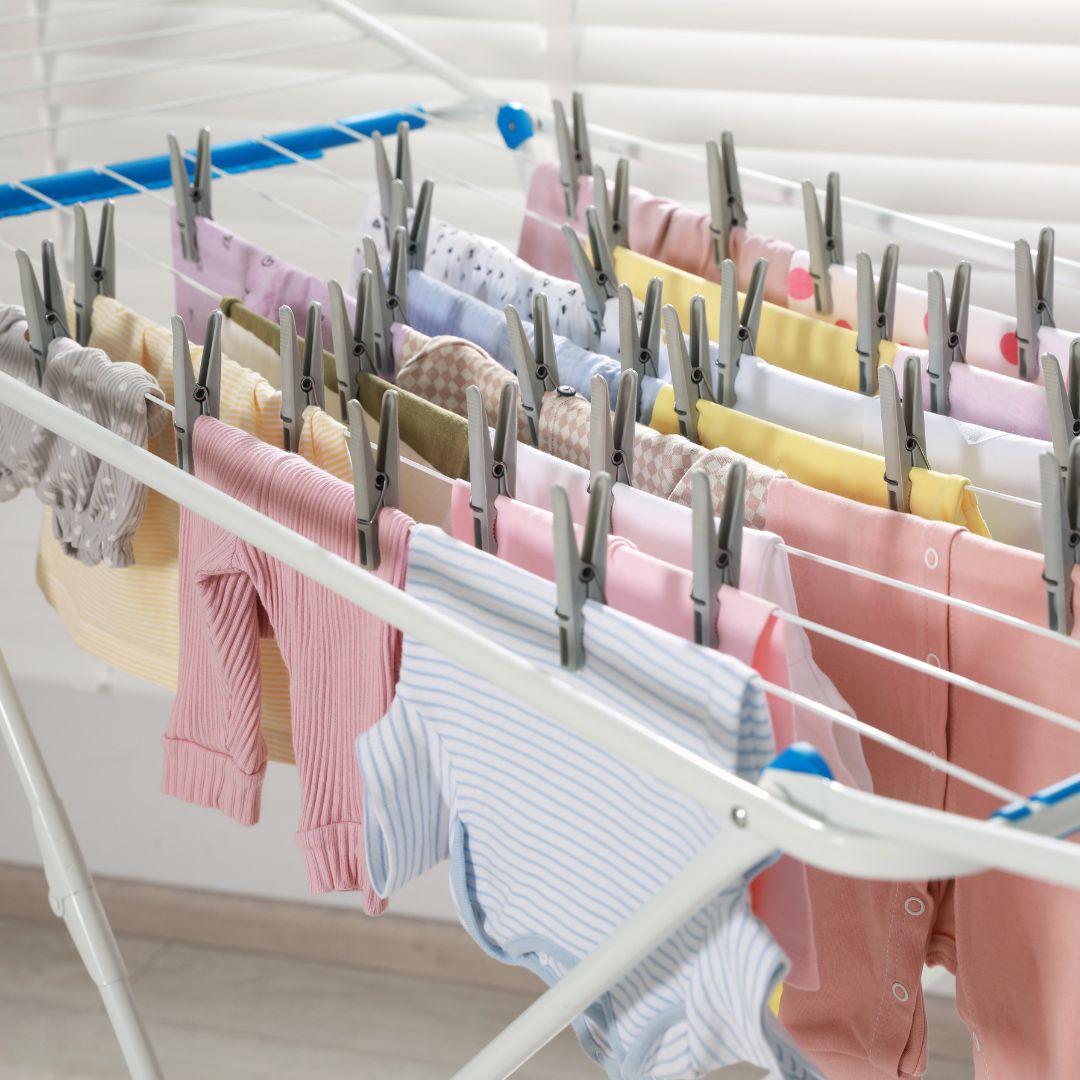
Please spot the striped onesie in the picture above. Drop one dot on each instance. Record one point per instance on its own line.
(554, 843)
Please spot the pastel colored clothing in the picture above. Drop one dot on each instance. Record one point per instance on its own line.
(662, 462)
(828, 466)
(342, 661)
(658, 227)
(129, 618)
(662, 529)
(20, 466)
(554, 843)
(991, 344)
(993, 460)
(1010, 940)
(659, 594)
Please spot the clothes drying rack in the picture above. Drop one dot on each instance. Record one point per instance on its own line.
(793, 809)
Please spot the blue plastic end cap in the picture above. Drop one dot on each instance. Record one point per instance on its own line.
(515, 124)
(802, 757)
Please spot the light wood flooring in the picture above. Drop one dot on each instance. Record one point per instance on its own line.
(235, 987)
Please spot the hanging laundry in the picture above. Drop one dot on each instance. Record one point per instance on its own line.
(437, 786)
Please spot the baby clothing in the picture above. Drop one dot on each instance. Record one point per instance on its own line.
(342, 661)
(20, 466)
(553, 843)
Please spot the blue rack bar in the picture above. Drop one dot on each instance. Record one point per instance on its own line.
(91, 185)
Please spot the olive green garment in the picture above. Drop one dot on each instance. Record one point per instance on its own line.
(438, 436)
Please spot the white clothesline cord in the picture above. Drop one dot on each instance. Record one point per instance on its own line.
(1019, 500)
(935, 672)
(151, 35)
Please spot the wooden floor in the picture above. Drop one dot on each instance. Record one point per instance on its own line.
(234, 987)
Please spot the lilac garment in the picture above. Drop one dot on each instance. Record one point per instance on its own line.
(988, 398)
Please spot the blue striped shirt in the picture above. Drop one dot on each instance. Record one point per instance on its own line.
(553, 842)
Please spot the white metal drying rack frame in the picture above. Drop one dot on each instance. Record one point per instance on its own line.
(817, 821)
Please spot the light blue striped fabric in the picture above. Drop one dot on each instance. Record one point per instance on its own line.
(554, 843)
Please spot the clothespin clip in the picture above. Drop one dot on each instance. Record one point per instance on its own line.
(947, 330)
(639, 344)
(595, 275)
(1034, 299)
(354, 347)
(535, 363)
(903, 431)
(717, 553)
(738, 332)
(375, 476)
(614, 209)
(95, 269)
(876, 308)
(492, 469)
(690, 365)
(193, 395)
(574, 157)
(579, 575)
(46, 317)
(402, 171)
(389, 297)
(1060, 487)
(824, 239)
(416, 229)
(726, 209)
(611, 439)
(192, 195)
(1063, 402)
(301, 380)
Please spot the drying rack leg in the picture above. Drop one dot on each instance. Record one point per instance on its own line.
(71, 888)
(726, 858)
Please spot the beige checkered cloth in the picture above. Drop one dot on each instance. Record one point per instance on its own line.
(717, 464)
(441, 369)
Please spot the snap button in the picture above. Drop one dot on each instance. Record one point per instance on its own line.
(565, 391)
(931, 558)
(899, 991)
(933, 658)
(914, 906)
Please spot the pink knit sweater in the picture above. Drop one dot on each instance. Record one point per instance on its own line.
(342, 661)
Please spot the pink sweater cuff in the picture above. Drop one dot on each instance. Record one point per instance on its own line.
(334, 862)
(206, 778)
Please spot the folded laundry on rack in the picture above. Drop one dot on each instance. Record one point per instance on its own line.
(874, 938)
(95, 508)
(552, 842)
(659, 594)
(342, 661)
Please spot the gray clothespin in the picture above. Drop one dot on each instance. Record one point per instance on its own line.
(611, 438)
(579, 575)
(375, 476)
(402, 171)
(614, 210)
(46, 317)
(389, 297)
(1061, 533)
(192, 195)
(903, 431)
(535, 364)
(354, 347)
(95, 268)
(876, 307)
(639, 343)
(1034, 299)
(492, 469)
(417, 227)
(717, 553)
(690, 366)
(301, 379)
(595, 275)
(1063, 402)
(194, 395)
(824, 239)
(738, 331)
(574, 157)
(726, 209)
(947, 331)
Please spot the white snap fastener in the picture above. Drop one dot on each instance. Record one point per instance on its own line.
(914, 906)
(899, 991)
(933, 658)
(931, 558)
